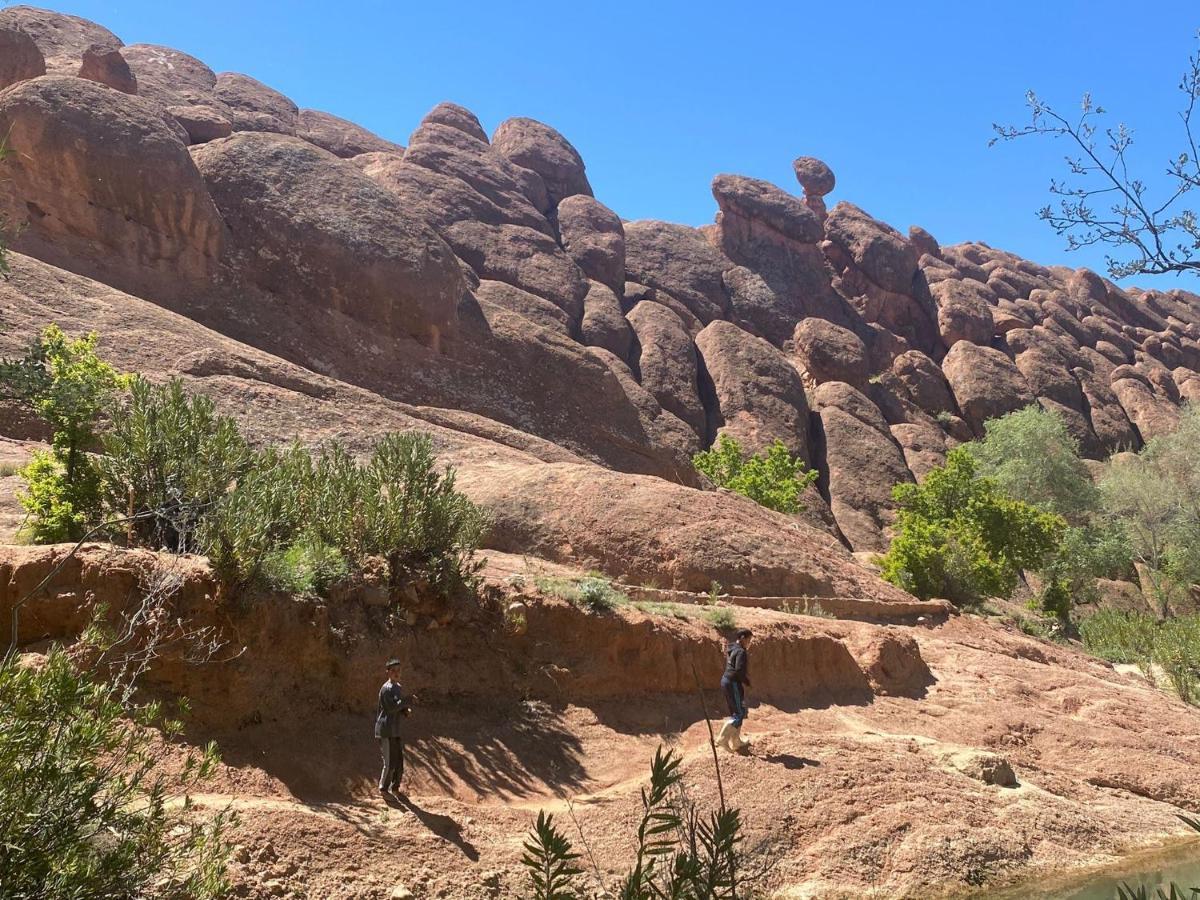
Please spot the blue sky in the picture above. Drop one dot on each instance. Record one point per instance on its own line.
(898, 98)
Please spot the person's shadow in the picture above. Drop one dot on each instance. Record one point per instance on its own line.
(443, 826)
(788, 761)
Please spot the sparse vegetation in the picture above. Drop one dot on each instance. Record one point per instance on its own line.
(5, 228)
(593, 592)
(806, 608)
(720, 617)
(1170, 647)
(679, 852)
(774, 478)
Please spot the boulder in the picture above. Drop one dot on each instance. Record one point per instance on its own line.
(312, 227)
(522, 257)
(543, 150)
(828, 352)
(985, 383)
(340, 137)
(923, 445)
(983, 765)
(594, 238)
(1048, 374)
(455, 116)
(750, 205)
(529, 306)
(255, 107)
(647, 530)
(760, 398)
(76, 180)
(63, 40)
(20, 58)
(877, 250)
(814, 176)
(171, 78)
(925, 243)
(454, 153)
(1149, 412)
(202, 123)
(862, 464)
(105, 65)
(964, 311)
(668, 365)
(603, 324)
(923, 383)
(1107, 416)
(677, 259)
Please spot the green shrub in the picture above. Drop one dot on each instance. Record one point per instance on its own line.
(593, 593)
(66, 384)
(306, 567)
(720, 617)
(958, 537)
(83, 812)
(774, 478)
(1120, 637)
(169, 454)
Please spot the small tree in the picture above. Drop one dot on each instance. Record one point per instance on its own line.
(774, 478)
(65, 383)
(168, 451)
(1151, 233)
(959, 537)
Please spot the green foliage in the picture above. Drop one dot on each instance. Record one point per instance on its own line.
(296, 518)
(65, 383)
(1171, 646)
(1032, 457)
(679, 853)
(550, 861)
(594, 593)
(170, 453)
(960, 538)
(83, 812)
(774, 478)
(1155, 498)
(720, 617)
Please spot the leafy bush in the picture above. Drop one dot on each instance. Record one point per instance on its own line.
(64, 382)
(959, 537)
(1127, 637)
(678, 851)
(169, 454)
(83, 812)
(593, 592)
(328, 512)
(774, 478)
(720, 617)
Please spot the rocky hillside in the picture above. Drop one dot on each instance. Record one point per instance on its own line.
(476, 284)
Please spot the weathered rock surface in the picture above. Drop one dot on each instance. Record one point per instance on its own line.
(594, 238)
(104, 64)
(171, 78)
(63, 40)
(603, 324)
(760, 398)
(668, 363)
(985, 383)
(827, 352)
(20, 58)
(964, 311)
(255, 107)
(306, 224)
(76, 181)
(202, 123)
(862, 463)
(878, 251)
(539, 148)
(677, 259)
(340, 137)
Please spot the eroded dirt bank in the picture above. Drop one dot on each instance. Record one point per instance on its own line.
(864, 771)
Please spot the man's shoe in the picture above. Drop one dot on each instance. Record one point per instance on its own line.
(383, 789)
(736, 743)
(724, 735)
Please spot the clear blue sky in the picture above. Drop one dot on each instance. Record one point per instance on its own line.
(659, 95)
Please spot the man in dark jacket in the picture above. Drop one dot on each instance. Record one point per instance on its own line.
(392, 706)
(733, 685)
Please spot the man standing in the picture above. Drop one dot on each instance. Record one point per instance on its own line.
(392, 706)
(733, 685)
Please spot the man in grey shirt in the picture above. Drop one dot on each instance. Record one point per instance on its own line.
(392, 706)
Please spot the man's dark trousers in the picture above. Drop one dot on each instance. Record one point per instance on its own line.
(392, 751)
